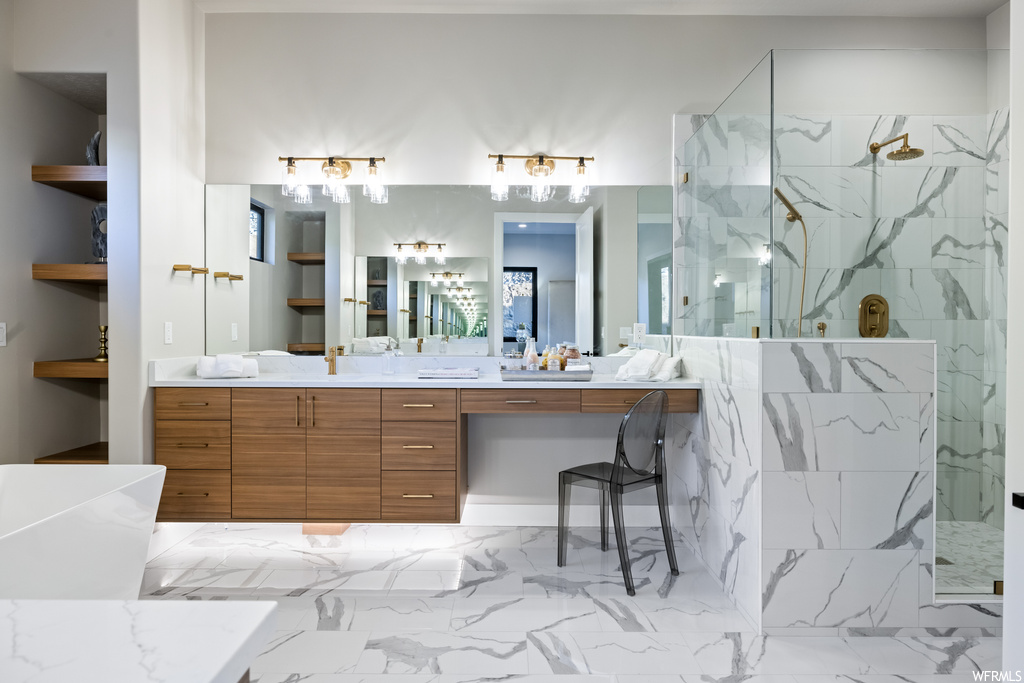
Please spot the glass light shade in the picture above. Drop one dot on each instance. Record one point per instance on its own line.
(341, 194)
(499, 182)
(420, 259)
(433, 281)
(461, 281)
(439, 258)
(540, 186)
(580, 189)
(447, 282)
(302, 195)
(373, 186)
(289, 179)
(765, 257)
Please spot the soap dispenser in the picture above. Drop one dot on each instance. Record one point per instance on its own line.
(388, 360)
(443, 345)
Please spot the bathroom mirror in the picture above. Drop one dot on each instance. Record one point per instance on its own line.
(301, 296)
(654, 259)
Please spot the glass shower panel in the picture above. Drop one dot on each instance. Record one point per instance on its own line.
(722, 191)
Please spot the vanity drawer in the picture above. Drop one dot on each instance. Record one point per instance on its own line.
(418, 445)
(411, 496)
(196, 494)
(621, 400)
(436, 405)
(193, 444)
(520, 400)
(187, 403)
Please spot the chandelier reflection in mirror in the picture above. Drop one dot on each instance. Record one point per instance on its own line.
(419, 251)
(295, 182)
(541, 178)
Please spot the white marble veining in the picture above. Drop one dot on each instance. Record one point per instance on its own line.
(56, 641)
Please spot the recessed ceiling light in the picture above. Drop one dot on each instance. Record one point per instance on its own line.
(522, 225)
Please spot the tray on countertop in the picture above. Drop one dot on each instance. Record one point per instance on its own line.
(546, 376)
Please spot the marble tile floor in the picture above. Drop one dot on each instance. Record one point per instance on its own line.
(976, 552)
(454, 604)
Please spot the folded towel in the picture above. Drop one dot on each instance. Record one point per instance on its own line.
(228, 365)
(206, 367)
(670, 369)
(372, 344)
(641, 367)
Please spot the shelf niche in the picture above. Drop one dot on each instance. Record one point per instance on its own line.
(75, 273)
(85, 181)
(76, 368)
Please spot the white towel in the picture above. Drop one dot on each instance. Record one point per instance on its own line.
(228, 365)
(669, 369)
(642, 366)
(372, 344)
(206, 367)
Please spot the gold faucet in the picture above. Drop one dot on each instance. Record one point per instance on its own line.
(332, 360)
(419, 345)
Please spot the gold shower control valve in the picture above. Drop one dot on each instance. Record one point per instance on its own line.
(873, 316)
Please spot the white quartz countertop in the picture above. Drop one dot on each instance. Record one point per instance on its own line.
(408, 381)
(103, 641)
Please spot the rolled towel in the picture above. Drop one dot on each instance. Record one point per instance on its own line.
(250, 368)
(228, 365)
(204, 367)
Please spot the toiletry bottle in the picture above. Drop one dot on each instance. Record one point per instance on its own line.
(572, 355)
(388, 361)
(556, 361)
(530, 359)
(443, 345)
(544, 358)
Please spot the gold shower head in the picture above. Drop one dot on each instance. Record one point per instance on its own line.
(904, 153)
(793, 214)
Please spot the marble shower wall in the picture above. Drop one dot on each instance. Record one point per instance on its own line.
(848, 448)
(714, 464)
(929, 234)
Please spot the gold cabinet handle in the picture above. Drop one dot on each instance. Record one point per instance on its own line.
(404, 310)
(349, 300)
(417, 405)
(235, 277)
(184, 403)
(417, 495)
(520, 401)
(193, 495)
(628, 402)
(362, 303)
(193, 445)
(426, 447)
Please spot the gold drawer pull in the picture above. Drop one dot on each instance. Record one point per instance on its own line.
(192, 404)
(193, 445)
(628, 402)
(193, 495)
(417, 405)
(520, 401)
(417, 446)
(417, 495)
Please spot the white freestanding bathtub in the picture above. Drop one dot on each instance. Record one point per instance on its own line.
(76, 531)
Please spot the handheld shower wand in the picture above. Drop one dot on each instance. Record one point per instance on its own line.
(792, 217)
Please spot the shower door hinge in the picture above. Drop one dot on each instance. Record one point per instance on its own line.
(1018, 500)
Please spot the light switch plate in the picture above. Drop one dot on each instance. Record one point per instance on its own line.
(624, 333)
(168, 334)
(3, 334)
(639, 333)
(234, 331)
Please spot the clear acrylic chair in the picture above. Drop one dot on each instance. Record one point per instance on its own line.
(639, 463)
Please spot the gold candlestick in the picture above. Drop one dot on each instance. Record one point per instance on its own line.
(102, 357)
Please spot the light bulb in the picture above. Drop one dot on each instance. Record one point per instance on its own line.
(540, 187)
(447, 281)
(580, 189)
(289, 178)
(718, 279)
(499, 181)
(765, 257)
(302, 195)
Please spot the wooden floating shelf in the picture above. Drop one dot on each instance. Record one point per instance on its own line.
(376, 313)
(376, 283)
(85, 181)
(77, 368)
(301, 303)
(93, 454)
(310, 258)
(79, 273)
(306, 348)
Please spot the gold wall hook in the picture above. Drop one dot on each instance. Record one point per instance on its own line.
(178, 267)
(235, 277)
(218, 274)
(349, 300)
(200, 271)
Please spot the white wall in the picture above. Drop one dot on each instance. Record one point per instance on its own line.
(1013, 552)
(45, 321)
(446, 90)
(227, 249)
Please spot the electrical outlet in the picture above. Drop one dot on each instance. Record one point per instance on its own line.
(3, 334)
(639, 333)
(234, 331)
(168, 334)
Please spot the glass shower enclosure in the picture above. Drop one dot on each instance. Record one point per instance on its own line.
(928, 233)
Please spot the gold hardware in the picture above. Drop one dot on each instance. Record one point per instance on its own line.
(686, 301)
(794, 216)
(417, 405)
(902, 154)
(332, 359)
(821, 329)
(200, 271)
(420, 247)
(755, 332)
(102, 356)
(997, 588)
(379, 160)
(312, 411)
(418, 447)
(235, 277)
(623, 346)
(218, 274)
(417, 495)
(193, 445)
(193, 495)
(873, 316)
(520, 401)
(419, 345)
(336, 168)
(686, 177)
(363, 303)
(341, 350)
(181, 266)
(297, 399)
(628, 403)
(183, 403)
(404, 310)
(349, 300)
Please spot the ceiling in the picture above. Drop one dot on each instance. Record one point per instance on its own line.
(802, 8)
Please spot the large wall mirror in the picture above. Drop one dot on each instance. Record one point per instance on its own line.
(321, 274)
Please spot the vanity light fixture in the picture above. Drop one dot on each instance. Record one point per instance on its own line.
(333, 171)
(420, 251)
(447, 278)
(718, 279)
(540, 169)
